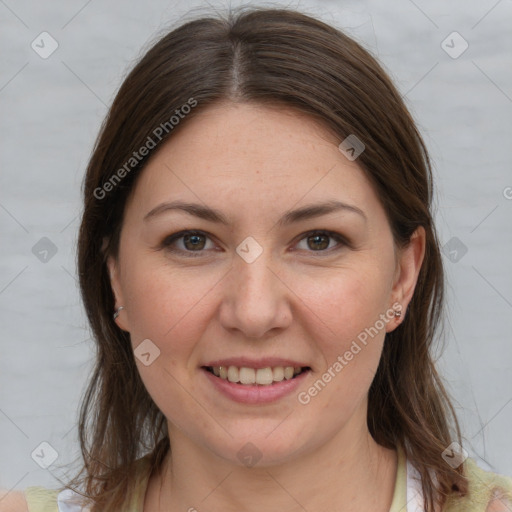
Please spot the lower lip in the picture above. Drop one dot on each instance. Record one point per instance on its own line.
(255, 394)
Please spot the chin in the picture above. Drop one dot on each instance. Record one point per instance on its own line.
(264, 447)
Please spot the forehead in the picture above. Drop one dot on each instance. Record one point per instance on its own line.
(252, 158)
(266, 139)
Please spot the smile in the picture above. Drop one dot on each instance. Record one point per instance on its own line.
(260, 376)
(254, 386)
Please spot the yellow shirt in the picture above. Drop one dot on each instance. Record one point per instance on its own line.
(483, 487)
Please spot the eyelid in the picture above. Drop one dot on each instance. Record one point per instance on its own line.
(338, 237)
(170, 239)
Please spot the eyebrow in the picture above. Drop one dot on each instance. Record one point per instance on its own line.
(289, 217)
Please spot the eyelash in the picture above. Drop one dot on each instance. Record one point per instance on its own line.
(168, 241)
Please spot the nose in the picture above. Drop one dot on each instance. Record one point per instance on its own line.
(255, 300)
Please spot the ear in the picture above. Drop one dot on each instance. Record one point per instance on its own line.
(115, 283)
(409, 261)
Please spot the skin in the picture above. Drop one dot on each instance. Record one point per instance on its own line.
(295, 300)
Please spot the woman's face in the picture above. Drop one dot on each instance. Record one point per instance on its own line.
(254, 287)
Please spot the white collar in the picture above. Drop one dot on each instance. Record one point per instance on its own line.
(414, 490)
(67, 499)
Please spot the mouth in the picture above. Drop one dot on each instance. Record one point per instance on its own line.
(248, 376)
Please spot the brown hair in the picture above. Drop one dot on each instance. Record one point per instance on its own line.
(269, 57)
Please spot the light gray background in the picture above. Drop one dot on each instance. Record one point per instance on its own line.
(51, 110)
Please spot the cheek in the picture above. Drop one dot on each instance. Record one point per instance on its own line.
(168, 307)
(161, 299)
(342, 304)
(347, 315)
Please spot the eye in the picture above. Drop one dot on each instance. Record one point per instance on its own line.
(191, 242)
(320, 241)
(194, 243)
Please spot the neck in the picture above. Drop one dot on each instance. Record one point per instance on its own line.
(346, 475)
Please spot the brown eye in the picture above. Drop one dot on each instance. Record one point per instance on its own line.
(193, 242)
(188, 243)
(321, 241)
(318, 241)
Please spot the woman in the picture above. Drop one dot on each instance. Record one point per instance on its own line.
(260, 268)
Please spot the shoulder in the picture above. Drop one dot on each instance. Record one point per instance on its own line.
(13, 501)
(487, 491)
(40, 499)
(33, 499)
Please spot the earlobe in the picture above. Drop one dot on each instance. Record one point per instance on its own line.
(410, 260)
(112, 272)
(118, 315)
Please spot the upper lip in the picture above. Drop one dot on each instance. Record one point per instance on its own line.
(263, 362)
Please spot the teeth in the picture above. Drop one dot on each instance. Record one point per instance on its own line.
(288, 372)
(261, 376)
(278, 373)
(264, 376)
(233, 374)
(247, 375)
